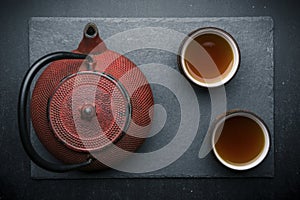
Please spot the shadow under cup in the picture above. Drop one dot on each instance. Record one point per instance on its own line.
(209, 57)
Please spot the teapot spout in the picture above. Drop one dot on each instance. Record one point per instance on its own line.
(91, 42)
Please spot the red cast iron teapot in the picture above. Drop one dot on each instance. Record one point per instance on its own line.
(84, 102)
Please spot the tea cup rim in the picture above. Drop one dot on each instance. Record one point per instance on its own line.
(254, 162)
(210, 30)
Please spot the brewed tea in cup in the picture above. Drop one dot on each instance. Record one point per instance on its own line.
(240, 140)
(209, 57)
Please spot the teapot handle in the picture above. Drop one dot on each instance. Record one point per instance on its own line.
(22, 112)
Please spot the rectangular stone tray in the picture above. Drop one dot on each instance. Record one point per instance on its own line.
(251, 89)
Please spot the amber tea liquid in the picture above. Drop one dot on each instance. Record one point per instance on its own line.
(241, 140)
(209, 57)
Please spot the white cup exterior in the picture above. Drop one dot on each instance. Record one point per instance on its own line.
(231, 42)
(255, 161)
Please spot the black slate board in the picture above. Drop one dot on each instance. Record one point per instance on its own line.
(251, 89)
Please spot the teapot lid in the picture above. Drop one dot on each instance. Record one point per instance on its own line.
(89, 110)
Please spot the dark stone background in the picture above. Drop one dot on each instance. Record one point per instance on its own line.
(15, 182)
